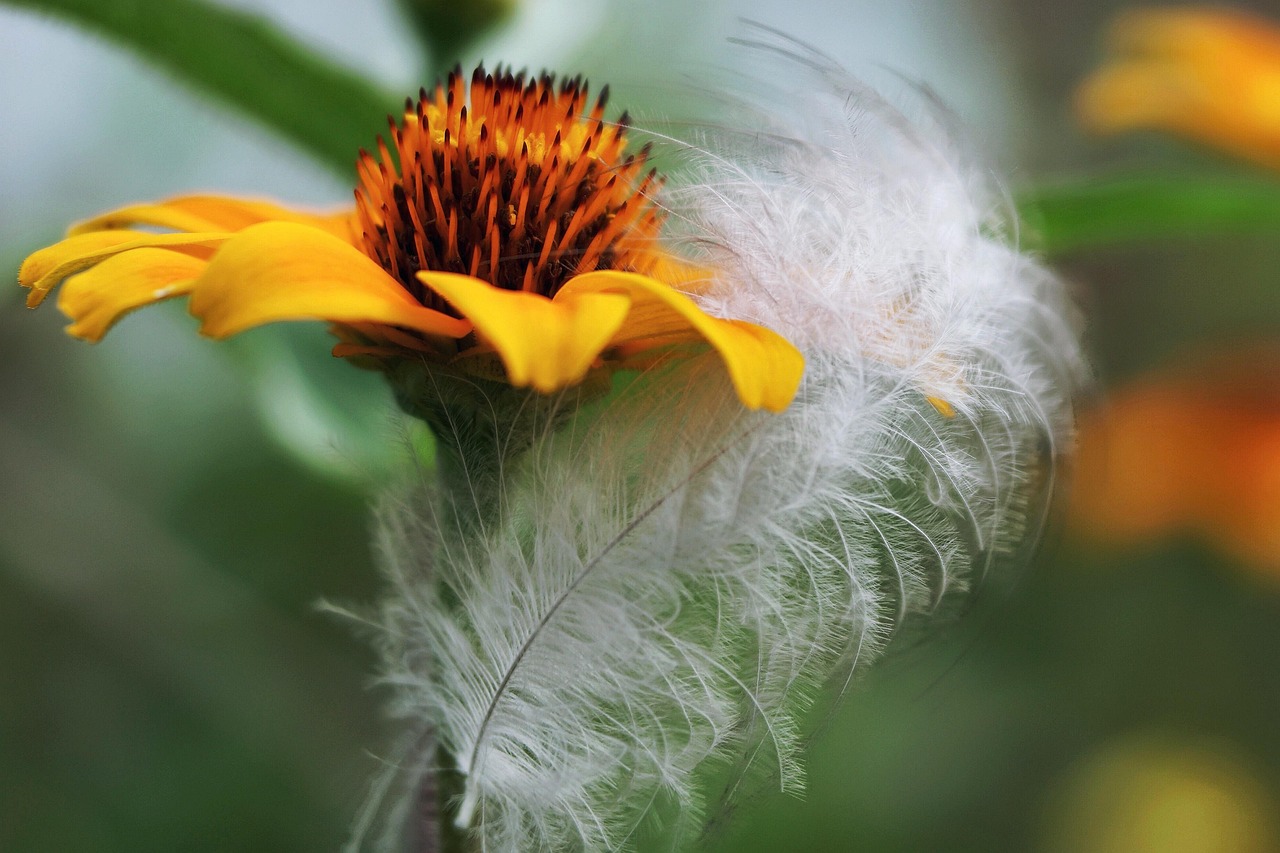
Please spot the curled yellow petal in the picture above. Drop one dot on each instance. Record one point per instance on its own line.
(282, 271)
(765, 369)
(42, 270)
(680, 274)
(213, 213)
(97, 298)
(1211, 75)
(549, 344)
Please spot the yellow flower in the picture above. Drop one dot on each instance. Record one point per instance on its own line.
(510, 230)
(1209, 74)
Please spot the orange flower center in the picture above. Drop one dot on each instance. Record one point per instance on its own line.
(523, 187)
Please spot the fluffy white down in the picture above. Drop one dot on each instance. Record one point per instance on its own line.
(670, 579)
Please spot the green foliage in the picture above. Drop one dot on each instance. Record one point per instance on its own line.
(243, 61)
(338, 421)
(1094, 212)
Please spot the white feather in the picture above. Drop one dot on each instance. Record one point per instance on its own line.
(667, 579)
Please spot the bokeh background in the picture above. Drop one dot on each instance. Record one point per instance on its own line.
(173, 510)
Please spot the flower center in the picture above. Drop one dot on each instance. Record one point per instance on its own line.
(522, 187)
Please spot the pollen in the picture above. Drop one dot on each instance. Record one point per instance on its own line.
(515, 180)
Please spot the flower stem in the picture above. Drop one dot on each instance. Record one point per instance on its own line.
(432, 827)
(481, 427)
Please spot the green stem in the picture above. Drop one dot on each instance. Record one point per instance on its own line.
(432, 828)
(448, 28)
(482, 428)
(451, 785)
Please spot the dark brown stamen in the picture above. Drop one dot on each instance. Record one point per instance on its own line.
(520, 185)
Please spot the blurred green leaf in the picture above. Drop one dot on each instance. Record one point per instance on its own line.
(1096, 212)
(245, 62)
(340, 422)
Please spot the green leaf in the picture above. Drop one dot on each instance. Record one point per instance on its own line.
(1097, 212)
(340, 422)
(245, 62)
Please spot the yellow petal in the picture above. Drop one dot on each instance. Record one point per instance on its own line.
(214, 213)
(281, 271)
(1191, 32)
(1212, 75)
(549, 344)
(96, 299)
(679, 274)
(943, 407)
(42, 270)
(764, 367)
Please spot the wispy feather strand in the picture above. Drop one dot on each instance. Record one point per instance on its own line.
(668, 579)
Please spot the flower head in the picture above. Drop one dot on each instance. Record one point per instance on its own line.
(1210, 74)
(701, 595)
(508, 233)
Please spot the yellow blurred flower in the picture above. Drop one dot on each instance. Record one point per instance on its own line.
(1210, 74)
(505, 234)
(1161, 792)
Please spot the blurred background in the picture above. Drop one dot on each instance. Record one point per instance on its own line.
(174, 509)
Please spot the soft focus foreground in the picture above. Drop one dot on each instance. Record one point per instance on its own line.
(167, 686)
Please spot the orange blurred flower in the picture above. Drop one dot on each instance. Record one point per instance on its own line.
(1210, 74)
(1191, 454)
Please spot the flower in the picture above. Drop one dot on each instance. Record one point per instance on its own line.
(1175, 454)
(1209, 74)
(702, 596)
(507, 232)
(1155, 790)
